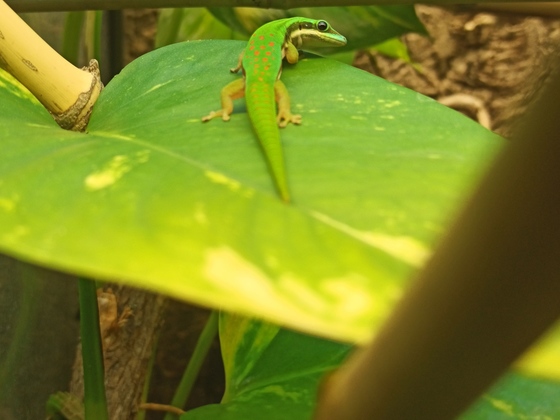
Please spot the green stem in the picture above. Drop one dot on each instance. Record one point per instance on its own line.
(95, 403)
(93, 35)
(97, 29)
(170, 33)
(29, 288)
(191, 372)
(72, 36)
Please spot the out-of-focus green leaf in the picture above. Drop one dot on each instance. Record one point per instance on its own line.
(245, 20)
(177, 25)
(518, 396)
(393, 48)
(274, 374)
(271, 373)
(543, 359)
(362, 26)
(65, 406)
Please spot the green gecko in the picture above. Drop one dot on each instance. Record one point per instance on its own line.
(261, 63)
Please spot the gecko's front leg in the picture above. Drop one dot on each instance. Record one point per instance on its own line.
(284, 116)
(232, 91)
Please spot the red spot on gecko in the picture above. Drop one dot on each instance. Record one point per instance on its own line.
(268, 53)
(264, 59)
(261, 37)
(260, 79)
(252, 47)
(271, 44)
(262, 47)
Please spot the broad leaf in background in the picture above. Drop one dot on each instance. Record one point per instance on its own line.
(245, 20)
(175, 25)
(271, 373)
(395, 48)
(518, 396)
(362, 26)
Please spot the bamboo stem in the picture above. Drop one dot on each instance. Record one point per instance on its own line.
(66, 91)
(489, 291)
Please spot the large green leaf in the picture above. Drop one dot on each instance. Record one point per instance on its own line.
(157, 199)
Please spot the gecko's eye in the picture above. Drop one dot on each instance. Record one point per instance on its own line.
(322, 25)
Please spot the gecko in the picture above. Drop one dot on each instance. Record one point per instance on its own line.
(261, 65)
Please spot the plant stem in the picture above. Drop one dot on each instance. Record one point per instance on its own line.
(72, 36)
(199, 355)
(92, 31)
(95, 402)
(27, 308)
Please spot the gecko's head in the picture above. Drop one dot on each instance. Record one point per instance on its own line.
(326, 30)
(315, 33)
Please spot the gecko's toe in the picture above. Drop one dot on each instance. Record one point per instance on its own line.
(209, 116)
(284, 119)
(215, 114)
(296, 119)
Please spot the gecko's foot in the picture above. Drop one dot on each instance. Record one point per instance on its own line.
(209, 116)
(215, 114)
(284, 118)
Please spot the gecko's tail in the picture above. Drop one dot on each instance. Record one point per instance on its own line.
(261, 107)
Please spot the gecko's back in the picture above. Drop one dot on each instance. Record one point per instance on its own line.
(262, 64)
